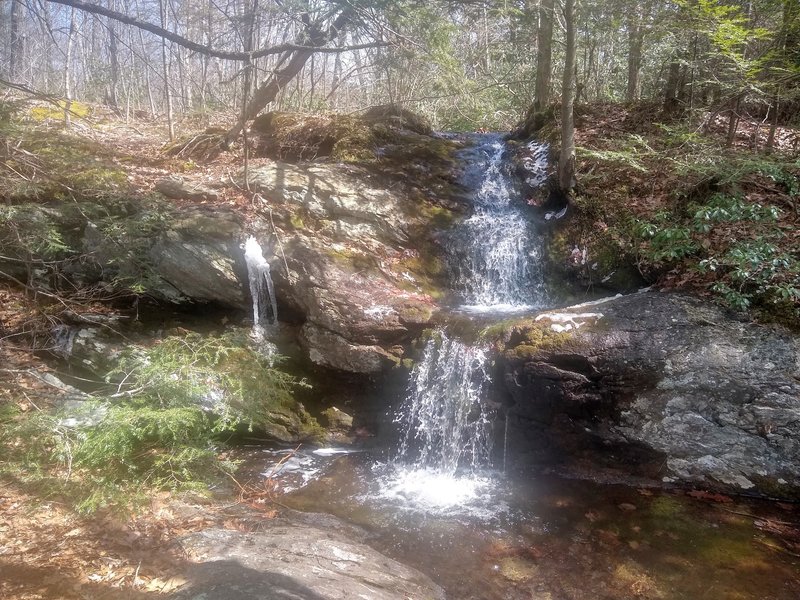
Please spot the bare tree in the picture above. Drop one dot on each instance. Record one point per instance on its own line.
(566, 161)
(68, 69)
(17, 45)
(636, 33)
(544, 54)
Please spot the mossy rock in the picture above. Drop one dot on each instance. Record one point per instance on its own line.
(398, 117)
(543, 125)
(537, 338)
(294, 137)
(385, 135)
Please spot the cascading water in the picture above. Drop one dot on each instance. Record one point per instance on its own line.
(262, 290)
(446, 422)
(446, 428)
(496, 251)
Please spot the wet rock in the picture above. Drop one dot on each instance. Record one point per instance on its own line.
(296, 560)
(344, 263)
(95, 349)
(329, 349)
(662, 385)
(337, 419)
(353, 253)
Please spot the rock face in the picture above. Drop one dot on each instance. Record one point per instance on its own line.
(661, 385)
(345, 258)
(296, 561)
(198, 258)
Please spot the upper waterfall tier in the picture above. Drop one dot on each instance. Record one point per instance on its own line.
(495, 253)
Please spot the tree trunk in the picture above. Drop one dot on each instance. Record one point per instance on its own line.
(773, 125)
(17, 42)
(166, 72)
(246, 84)
(293, 62)
(733, 121)
(114, 59)
(544, 55)
(635, 43)
(566, 162)
(68, 70)
(671, 89)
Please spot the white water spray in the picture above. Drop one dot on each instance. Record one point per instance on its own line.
(498, 259)
(446, 428)
(446, 424)
(262, 290)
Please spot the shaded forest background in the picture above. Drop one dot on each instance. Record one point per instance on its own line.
(465, 65)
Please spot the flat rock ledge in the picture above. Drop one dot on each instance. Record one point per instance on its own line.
(296, 562)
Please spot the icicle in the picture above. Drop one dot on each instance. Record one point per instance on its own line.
(262, 290)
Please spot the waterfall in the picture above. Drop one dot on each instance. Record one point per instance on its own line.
(265, 308)
(497, 251)
(446, 430)
(446, 423)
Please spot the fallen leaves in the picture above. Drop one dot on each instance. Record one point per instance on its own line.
(710, 496)
(55, 553)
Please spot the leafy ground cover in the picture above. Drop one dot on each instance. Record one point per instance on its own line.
(50, 547)
(668, 196)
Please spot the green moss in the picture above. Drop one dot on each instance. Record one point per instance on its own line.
(42, 113)
(297, 221)
(437, 216)
(538, 338)
(541, 124)
(47, 165)
(500, 329)
(293, 136)
(666, 509)
(416, 313)
(398, 117)
(356, 146)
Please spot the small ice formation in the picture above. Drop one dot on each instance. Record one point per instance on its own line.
(262, 290)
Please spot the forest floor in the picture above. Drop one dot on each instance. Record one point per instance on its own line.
(667, 196)
(635, 177)
(49, 550)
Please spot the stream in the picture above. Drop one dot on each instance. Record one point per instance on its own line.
(433, 492)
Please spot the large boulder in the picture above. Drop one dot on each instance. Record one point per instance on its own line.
(198, 259)
(660, 385)
(296, 560)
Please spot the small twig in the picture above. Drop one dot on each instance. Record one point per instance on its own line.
(757, 518)
(778, 548)
(280, 244)
(136, 574)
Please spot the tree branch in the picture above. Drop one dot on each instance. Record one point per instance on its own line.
(200, 48)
